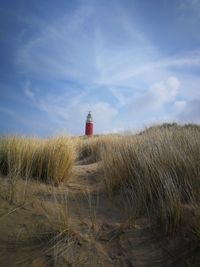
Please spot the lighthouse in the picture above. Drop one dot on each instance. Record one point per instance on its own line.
(89, 125)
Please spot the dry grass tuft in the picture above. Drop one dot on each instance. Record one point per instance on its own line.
(48, 160)
(89, 149)
(157, 172)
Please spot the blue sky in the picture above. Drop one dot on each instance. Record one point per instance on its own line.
(132, 62)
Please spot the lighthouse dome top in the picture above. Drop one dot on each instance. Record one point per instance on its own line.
(89, 117)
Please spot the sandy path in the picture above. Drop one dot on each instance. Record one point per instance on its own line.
(100, 224)
(116, 242)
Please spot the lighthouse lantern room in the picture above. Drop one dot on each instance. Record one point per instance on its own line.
(89, 125)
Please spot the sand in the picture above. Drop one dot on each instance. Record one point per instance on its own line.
(100, 231)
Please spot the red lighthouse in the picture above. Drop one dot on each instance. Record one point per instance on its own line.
(89, 125)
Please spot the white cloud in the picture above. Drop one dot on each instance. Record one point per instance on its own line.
(152, 67)
(156, 97)
(114, 52)
(120, 95)
(166, 90)
(179, 106)
(65, 49)
(190, 111)
(28, 90)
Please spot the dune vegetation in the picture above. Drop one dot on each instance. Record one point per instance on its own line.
(48, 160)
(87, 198)
(157, 173)
(91, 148)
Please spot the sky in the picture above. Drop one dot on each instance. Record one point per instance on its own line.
(133, 63)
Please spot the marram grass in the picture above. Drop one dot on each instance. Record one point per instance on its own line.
(48, 160)
(157, 172)
(92, 147)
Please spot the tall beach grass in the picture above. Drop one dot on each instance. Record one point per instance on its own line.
(48, 160)
(157, 172)
(90, 148)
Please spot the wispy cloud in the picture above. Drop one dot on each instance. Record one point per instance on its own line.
(108, 52)
(156, 97)
(188, 111)
(100, 57)
(27, 126)
(28, 90)
(70, 116)
(8, 111)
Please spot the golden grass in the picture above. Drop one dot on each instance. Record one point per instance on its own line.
(48, 160)
(91, 147)
(157, 172)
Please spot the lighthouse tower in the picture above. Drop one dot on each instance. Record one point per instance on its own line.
(89, 125)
